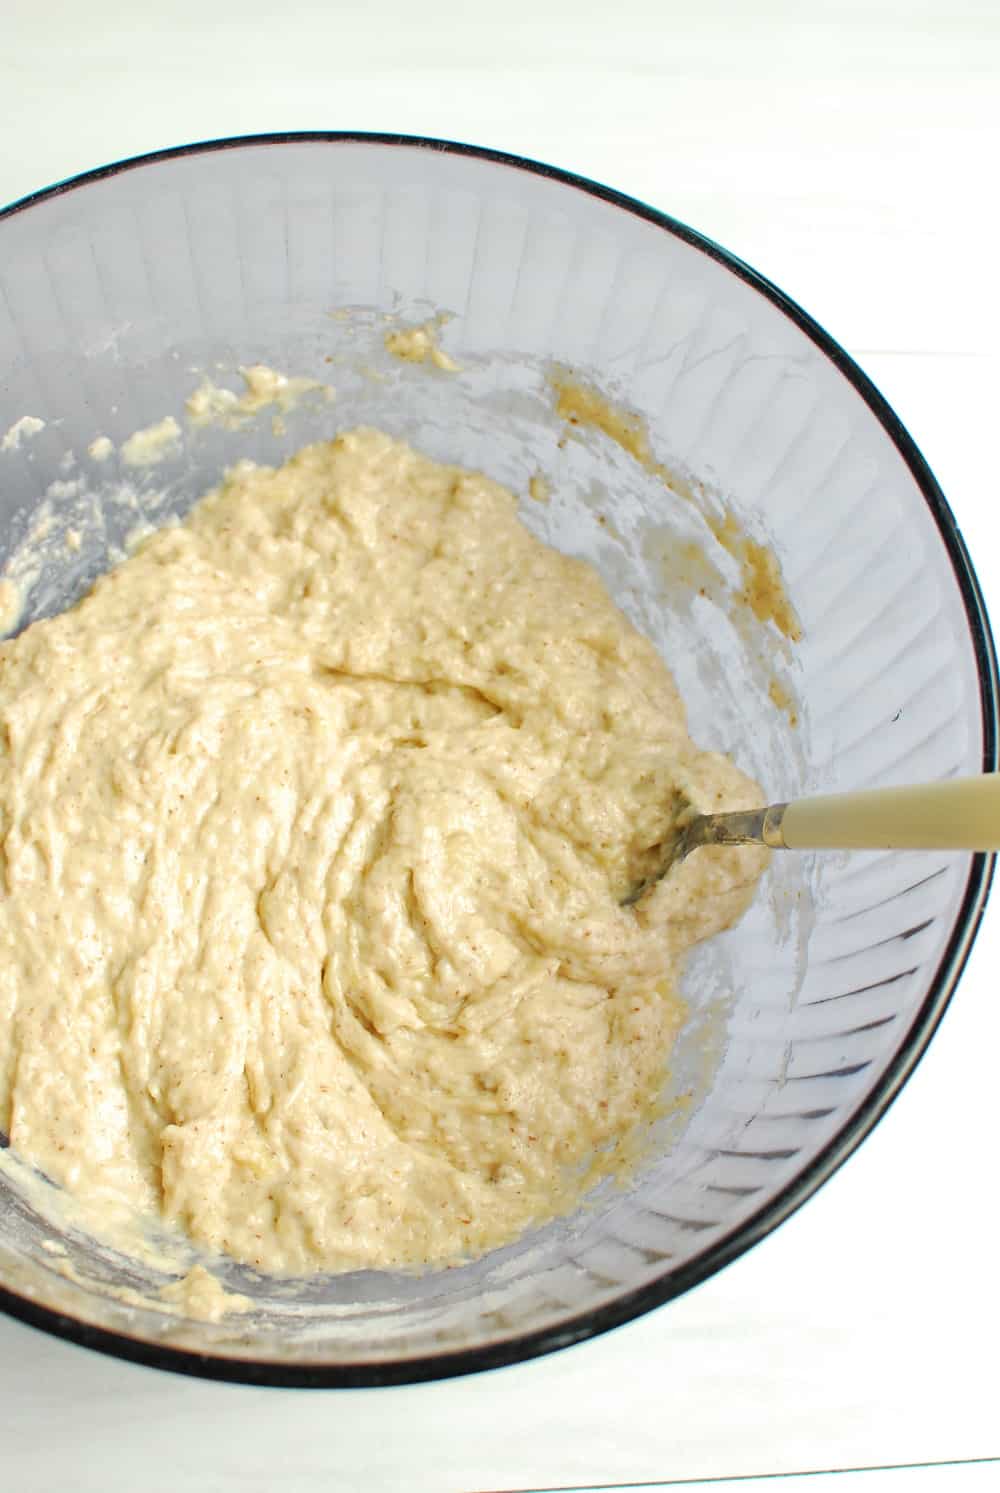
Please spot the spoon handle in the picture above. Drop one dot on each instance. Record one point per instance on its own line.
(957, 814)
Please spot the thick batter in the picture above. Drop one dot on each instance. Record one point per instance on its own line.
(315, 819)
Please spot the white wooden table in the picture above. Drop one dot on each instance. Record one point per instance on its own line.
(849, 150)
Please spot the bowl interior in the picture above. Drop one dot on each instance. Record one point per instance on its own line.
(118, 296)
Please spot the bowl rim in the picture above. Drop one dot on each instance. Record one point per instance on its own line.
(635, 1303)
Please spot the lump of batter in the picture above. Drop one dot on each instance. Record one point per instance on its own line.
(315, 818)
(420, 345)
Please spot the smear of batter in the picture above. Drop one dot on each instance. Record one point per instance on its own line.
(315, 818)
(263, 388)
(781, 696)
(20, 431)
(420, 345)
(763, 589)
(148, 447)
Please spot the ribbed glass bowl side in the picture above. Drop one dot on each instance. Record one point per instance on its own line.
(117, 295)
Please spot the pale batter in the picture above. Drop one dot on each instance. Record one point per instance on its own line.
(315, 818)
(420, 345)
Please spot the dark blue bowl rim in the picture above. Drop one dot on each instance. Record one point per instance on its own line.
(630, 1304)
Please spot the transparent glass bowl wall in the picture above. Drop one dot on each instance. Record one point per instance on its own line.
(119, 293)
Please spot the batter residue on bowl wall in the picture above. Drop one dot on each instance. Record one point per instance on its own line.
(420, 345)
(148, 447)
(20, 431)
(316, 815)
(763, 589)
(263, 388)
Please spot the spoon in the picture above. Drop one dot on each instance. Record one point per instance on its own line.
(957, 814)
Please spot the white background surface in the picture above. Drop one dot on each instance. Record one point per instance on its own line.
(850, 151)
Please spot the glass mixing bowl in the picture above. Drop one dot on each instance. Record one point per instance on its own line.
(121, 289)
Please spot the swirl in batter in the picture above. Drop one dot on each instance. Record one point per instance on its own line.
(315, 817)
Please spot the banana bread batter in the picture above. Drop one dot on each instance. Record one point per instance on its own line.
(315, 818)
